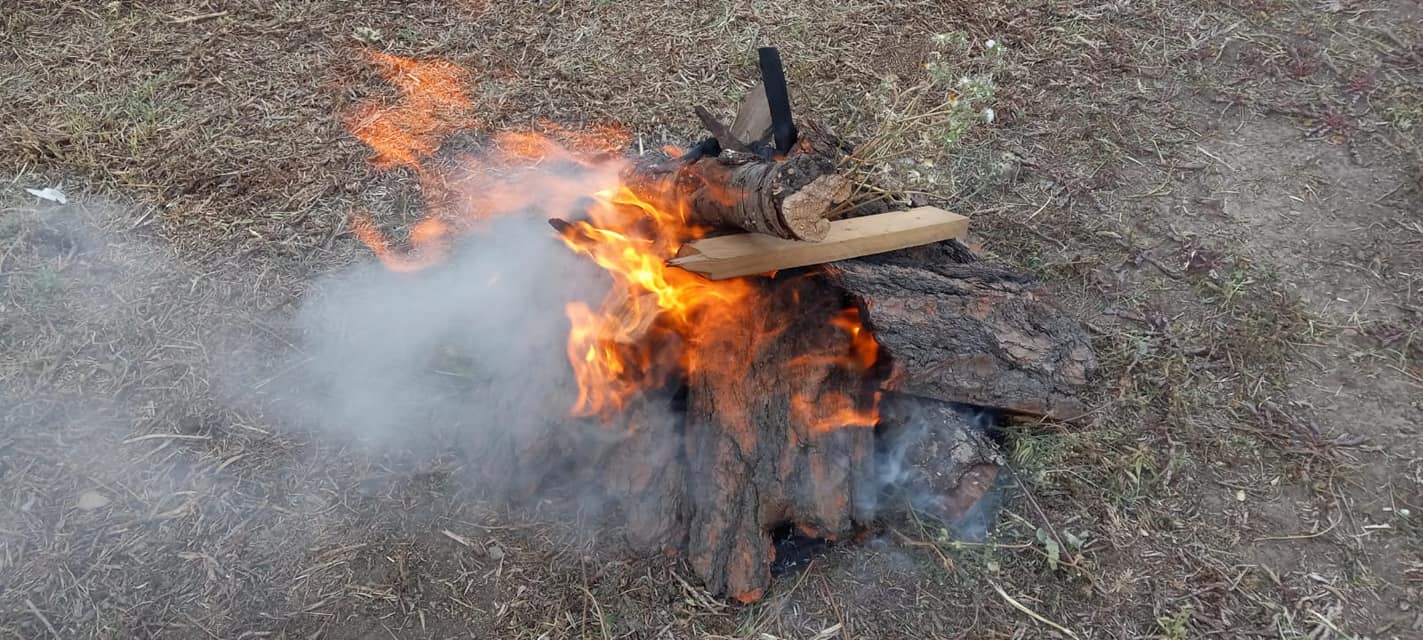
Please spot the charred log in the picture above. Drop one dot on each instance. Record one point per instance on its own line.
(939, 460)
(646, 470)
(792, 197)
(764, 444)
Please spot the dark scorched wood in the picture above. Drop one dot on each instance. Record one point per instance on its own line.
(742, 460)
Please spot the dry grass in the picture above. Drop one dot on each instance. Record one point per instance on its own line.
(1244, 474)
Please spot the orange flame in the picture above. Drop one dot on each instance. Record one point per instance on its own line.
(864, 351)
(608, 369)
(645, 290)
(432, 103)
(613, 349)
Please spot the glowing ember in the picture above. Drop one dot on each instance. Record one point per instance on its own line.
(864, 351)
(832, 411)
(613, 349)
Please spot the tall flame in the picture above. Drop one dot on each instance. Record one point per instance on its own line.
(645, 291)
(612, 349)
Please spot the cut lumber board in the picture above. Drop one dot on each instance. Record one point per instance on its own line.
(745, 254)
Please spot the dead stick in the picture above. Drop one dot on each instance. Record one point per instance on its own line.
(205, 16)
(35, 610)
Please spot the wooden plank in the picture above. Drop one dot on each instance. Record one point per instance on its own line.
(747, 254)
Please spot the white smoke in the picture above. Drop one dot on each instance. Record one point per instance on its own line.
(477, 342)
(171, 417)
(925, 451)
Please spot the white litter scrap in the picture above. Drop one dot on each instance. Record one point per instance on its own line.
(91, 500)
(49, 193)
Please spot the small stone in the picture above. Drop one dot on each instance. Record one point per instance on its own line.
(1240, 495)
(494, 552)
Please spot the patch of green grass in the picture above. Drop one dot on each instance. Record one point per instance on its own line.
(1257, 318)
(1404, 110)
(1176, 626)
(1034, 452)
(144, 111)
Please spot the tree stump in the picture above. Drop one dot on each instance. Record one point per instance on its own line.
(770, 439)
(763, 452)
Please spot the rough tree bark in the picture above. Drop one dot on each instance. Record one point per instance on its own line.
(647, 471)
(938, 460)
(959, 330)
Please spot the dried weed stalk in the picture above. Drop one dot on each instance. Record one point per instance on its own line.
(919, 126)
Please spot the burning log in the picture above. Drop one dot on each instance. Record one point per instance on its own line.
(774, 438)
(779, 380)
(790, 197)
(783, 378)
(761, 174)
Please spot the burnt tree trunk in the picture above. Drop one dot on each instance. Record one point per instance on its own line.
(759, 442)
(647, 471)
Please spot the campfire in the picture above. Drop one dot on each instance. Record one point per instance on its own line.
(826, 351)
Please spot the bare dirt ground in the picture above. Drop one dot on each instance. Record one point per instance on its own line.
(1228, 193)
